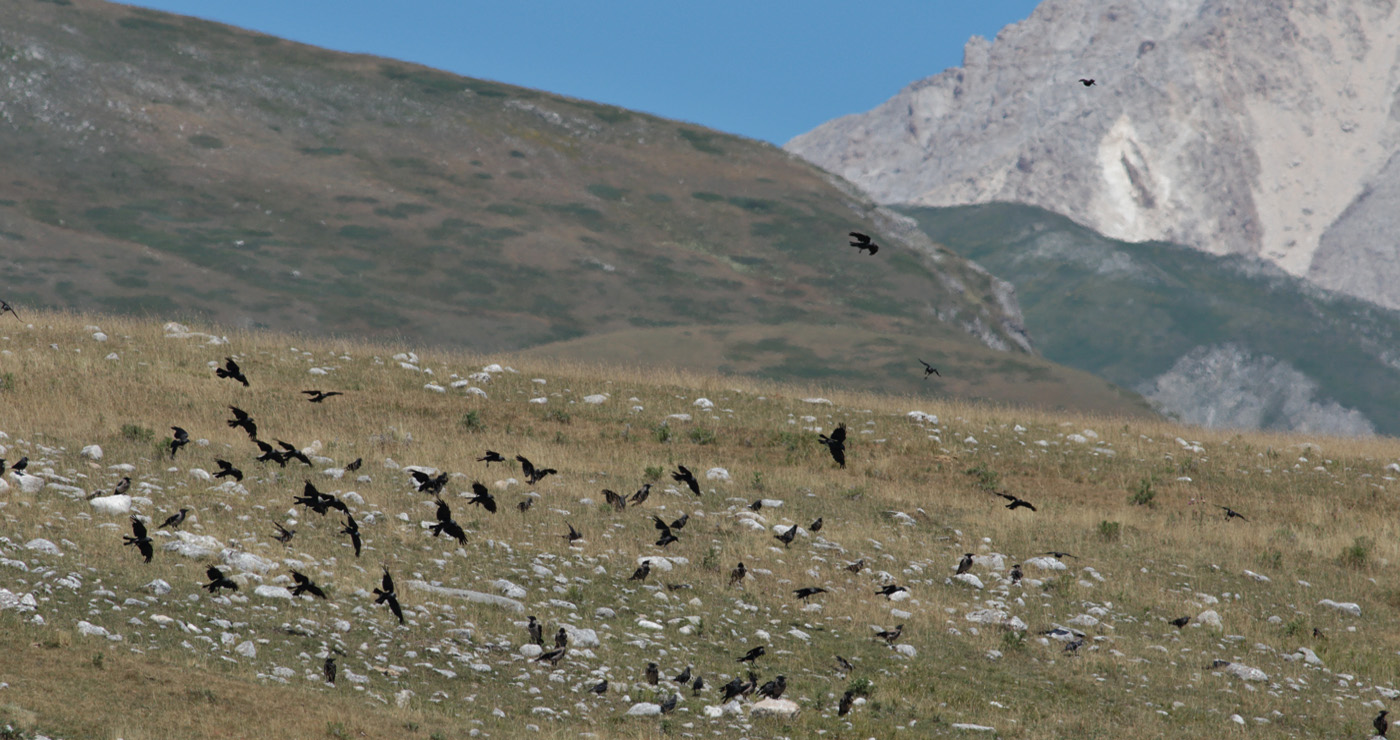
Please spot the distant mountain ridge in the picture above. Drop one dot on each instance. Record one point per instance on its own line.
(1231, 126)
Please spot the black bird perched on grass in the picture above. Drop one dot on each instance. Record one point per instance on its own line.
(738, 573)
(1232, 514)
(642, 571)
(138, 537)
(328, 670)
(352, 467)
(532, 473)
(218, 580)
(573, 535)
(889, 636)
(614, 500)
(536, 631)
(269, 454)
(283, 535)
(786, 537)
(242, 419)
(552, 657)
(7, 307)
(231, 370)
(21, 464)
(845, 707)
(490, 457)
(226, 470)
(697, 686)
(836, 444)
(599, 688)
(929, 370)
(446, 524)
(965, 564)
(670, 704)
(862, 243)
(843, 665)
(734, 688)
(1072, 647)
(319, 396)
(774, 689)
(682, 474)
(808, 592)
(180, 439)
(1086, 82)
(815, 526)
(1180, 622)
(290, 452)
(1016, 501)
(525, 505)
(653, 675)
(482, 497)
(123, 485)
(175, 520)
(641, 495)
(753, 655)
(306, 586)
(684, 677)
(386, 594)
(428, 484)
(857, 566)
(561, 638)
(1016, 574)
(756, 505)
(1380, 723)
(890, 590)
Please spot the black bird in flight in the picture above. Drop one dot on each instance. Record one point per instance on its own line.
(862, 243)
(890, 590)
(774, 689)
(684, 677)
(328, 670)
(269, 454)
(532, 473)
(573, 535)
(490, 457)
(180, 439)
(599, 688)
(641, 494)
(1059, 555)
(283, 535)
(138, 537)
(836, 443)
(319, 502)
(7, 307)
(1232, 514)
(653, 675)
(1180, 622)
(226, 470)
(642, 571)
(845, 707)
(1016, 501)
(232, 371)
(446, 524)
(666, 538)
(553, 656)
(614, 500)
(929, 370)
(482, 497)
(808, 592)
(218, 580)
(786, 537)
(1086, 82)
(857, 566)
(386, 594)
(753, 655)
(319, 396)
(737, 575)
(1380, 723)
(429, 484)
(306, 586)
(536, 631)
(242, 419)
(290, 452)
(682, 474)
(175, 520)
(965, 564)
(352, 467)
(889, 636)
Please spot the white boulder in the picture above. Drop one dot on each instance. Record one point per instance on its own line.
(112, 505)
(781, 708)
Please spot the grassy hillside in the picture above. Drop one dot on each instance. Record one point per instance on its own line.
(1134, 500)
(1126, 312)
(163, 165)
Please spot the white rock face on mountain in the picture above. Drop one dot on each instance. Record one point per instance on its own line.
(1233, 126)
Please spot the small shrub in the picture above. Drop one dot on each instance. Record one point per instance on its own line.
(1271, 559)
(757, 481)
(137, 433)
(711, 560)
(702, 436)
(7, 382)
(1294, 626)
(860, 687)
(662, 433)
(471, 421)
(987, 478)
(337, 730)
(559, 415)
(653, 472)
(1142, 494)
(1358, 553)
(205, 141)
(98, 659)
(1109, 530)
(1013, 641)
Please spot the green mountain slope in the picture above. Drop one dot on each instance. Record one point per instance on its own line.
(1133, 313)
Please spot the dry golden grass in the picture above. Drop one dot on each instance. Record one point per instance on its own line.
(1157, 561)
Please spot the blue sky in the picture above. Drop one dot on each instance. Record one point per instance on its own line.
(768, 69)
